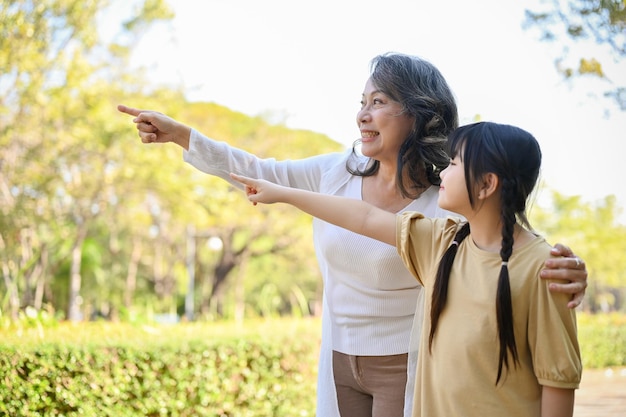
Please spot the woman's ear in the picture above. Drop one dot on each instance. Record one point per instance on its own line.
(489, 185)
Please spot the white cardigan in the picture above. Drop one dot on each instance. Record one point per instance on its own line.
(370, 298)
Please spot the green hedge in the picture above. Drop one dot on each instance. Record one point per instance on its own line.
(193, 373)
(265, 368)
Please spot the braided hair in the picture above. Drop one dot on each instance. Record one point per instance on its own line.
(514, 156)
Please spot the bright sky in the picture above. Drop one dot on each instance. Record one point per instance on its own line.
(305, 63)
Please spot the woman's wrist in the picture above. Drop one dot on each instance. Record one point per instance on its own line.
(183, 136)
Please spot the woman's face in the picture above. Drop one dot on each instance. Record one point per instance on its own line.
(382, 124)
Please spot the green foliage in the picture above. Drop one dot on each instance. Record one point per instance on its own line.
(58, 170)
(572, 22)
(30, 320)
(182, 370)
(262, 368)
(604, 20)
(602, 339)
(91, 220)
(595, 234)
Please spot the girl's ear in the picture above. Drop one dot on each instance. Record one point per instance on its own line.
(488, 186)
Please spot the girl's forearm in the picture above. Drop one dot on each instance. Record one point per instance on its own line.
(557, 402)
(352, 214)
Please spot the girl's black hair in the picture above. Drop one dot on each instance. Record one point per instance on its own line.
(425, 95)
(515, 157)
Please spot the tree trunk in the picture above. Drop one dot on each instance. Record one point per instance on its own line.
(41, 279)
(220, 273)
(131, 276)
(240, 293)
(14, 300)
(73, 310)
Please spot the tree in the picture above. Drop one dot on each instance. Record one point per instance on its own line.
(581, 22)
(270, 240)
(53, 90)
(93, 221)
(595, 234)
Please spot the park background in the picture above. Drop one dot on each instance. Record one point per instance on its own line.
(133, 282)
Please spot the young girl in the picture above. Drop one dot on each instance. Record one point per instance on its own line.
(496, 341)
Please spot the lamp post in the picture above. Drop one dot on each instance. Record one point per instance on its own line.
(214, 243)
(191, 272)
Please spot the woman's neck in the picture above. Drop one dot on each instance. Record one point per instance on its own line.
(382, 190)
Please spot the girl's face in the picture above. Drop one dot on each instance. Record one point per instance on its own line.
(453, 194)
(382, 124)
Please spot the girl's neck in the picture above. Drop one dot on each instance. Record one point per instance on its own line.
(490, 238)
(485, 224)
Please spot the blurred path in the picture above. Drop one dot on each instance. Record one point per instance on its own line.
(602, 393)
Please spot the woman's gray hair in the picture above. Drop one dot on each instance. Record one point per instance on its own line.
(425, 95)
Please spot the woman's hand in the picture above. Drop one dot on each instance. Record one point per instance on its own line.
(568, 268)
(155, 127)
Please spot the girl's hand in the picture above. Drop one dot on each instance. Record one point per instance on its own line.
(260, 191)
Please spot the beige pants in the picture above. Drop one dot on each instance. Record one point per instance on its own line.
(370, 386)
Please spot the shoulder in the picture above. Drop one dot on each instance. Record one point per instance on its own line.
(333, 159)
(411, 224)
(335, 173)
(528, 260)
(534, 247)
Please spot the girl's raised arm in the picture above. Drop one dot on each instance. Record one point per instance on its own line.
(355, 215)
